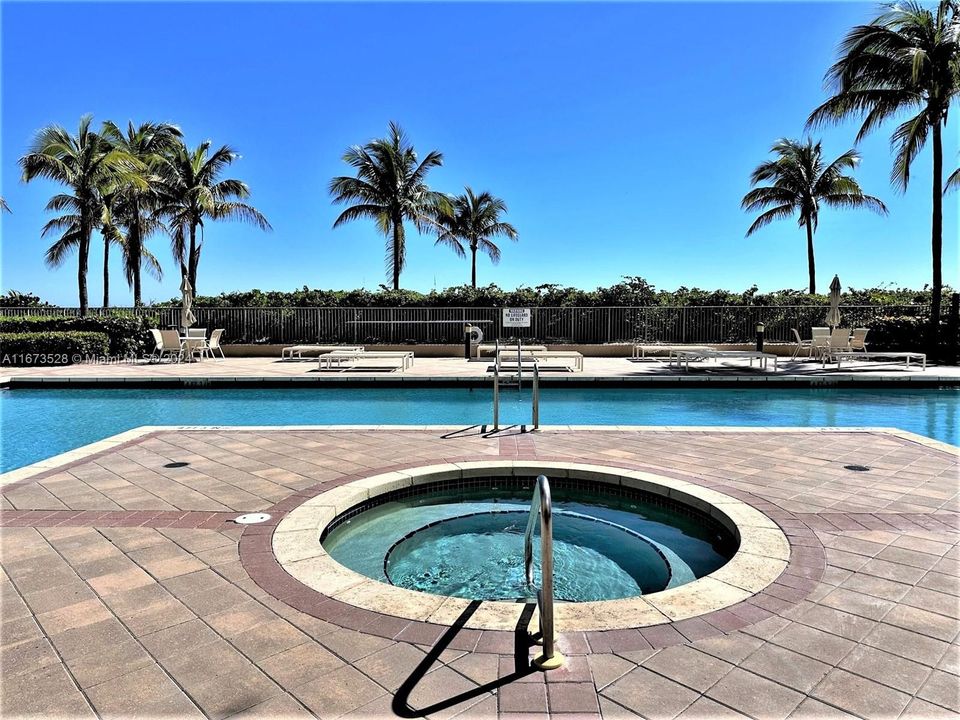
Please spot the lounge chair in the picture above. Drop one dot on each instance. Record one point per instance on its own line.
(682, 357)
(801, 344)
(296, 352)
(327, 360)
(570, 359)
(167, 343)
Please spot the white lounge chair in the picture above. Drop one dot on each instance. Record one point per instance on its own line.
(326, 361)
(685, 356)
(570, 359)
(296, 352)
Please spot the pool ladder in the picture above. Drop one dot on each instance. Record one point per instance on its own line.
(541, 508)
(535, 388)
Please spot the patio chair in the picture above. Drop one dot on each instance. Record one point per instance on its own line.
(820, 341)
(839, 342)
(213, 344)
(801, 343)
(168, 343)
(195, 342)
(858, 341)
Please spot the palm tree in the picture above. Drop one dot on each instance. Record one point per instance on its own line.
(4, 206)
(390, 188)
(191, 191)
(800, 184)
(133, 203)
(473, 220)
(906, 60)
(84, 162)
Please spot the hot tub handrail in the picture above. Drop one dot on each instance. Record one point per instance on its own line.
(541, 508)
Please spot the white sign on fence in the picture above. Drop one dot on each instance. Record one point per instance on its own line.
(516, 317)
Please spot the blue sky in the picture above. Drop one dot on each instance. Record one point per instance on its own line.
(620, 135)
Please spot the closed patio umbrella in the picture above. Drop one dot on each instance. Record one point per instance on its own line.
(833, 315)
(187, 318)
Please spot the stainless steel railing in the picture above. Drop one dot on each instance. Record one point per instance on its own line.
(541, 508)
(535, 389)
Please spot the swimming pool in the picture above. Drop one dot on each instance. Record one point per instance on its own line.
(38, 423)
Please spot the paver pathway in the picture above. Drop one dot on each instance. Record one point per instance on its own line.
(126, 589)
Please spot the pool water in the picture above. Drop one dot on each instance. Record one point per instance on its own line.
(38, 423)
(605, 547)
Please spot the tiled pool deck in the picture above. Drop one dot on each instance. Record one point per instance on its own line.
(127, 590)
(426, 369)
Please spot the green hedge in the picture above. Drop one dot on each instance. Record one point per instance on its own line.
(900, 333)
(632, 291)
(52, 348)
(128, 334)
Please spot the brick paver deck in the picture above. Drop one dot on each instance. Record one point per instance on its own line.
(127, 590)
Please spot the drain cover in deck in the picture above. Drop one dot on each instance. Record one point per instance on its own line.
(252, 518)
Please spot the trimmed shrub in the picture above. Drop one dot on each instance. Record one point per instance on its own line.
(128, 334)
(898, 333)
(51, 348)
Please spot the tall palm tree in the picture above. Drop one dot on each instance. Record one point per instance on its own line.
(390, 187)
(800, 184)
(133, 203)
(192, 191)
(473, 220)
(906, 60)
(84, 162)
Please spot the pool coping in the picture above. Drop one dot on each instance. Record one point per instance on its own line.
(759, 560)
(84, 453)
(840, 379)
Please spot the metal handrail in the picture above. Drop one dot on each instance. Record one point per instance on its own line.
(541, 507)
(535, 392)
(519, 364)
(536, 396)
(496, 395)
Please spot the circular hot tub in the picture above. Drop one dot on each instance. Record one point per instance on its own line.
(630, 548)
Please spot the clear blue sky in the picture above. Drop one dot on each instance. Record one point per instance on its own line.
(621, 136)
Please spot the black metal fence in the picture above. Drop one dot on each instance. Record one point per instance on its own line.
(575, 325)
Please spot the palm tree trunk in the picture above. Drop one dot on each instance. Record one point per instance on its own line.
(135, 262)
(811, 263)
(193, 259)
(397, 247)
(83, 261)
(936, 240)
(473, 269)
(106, 271)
